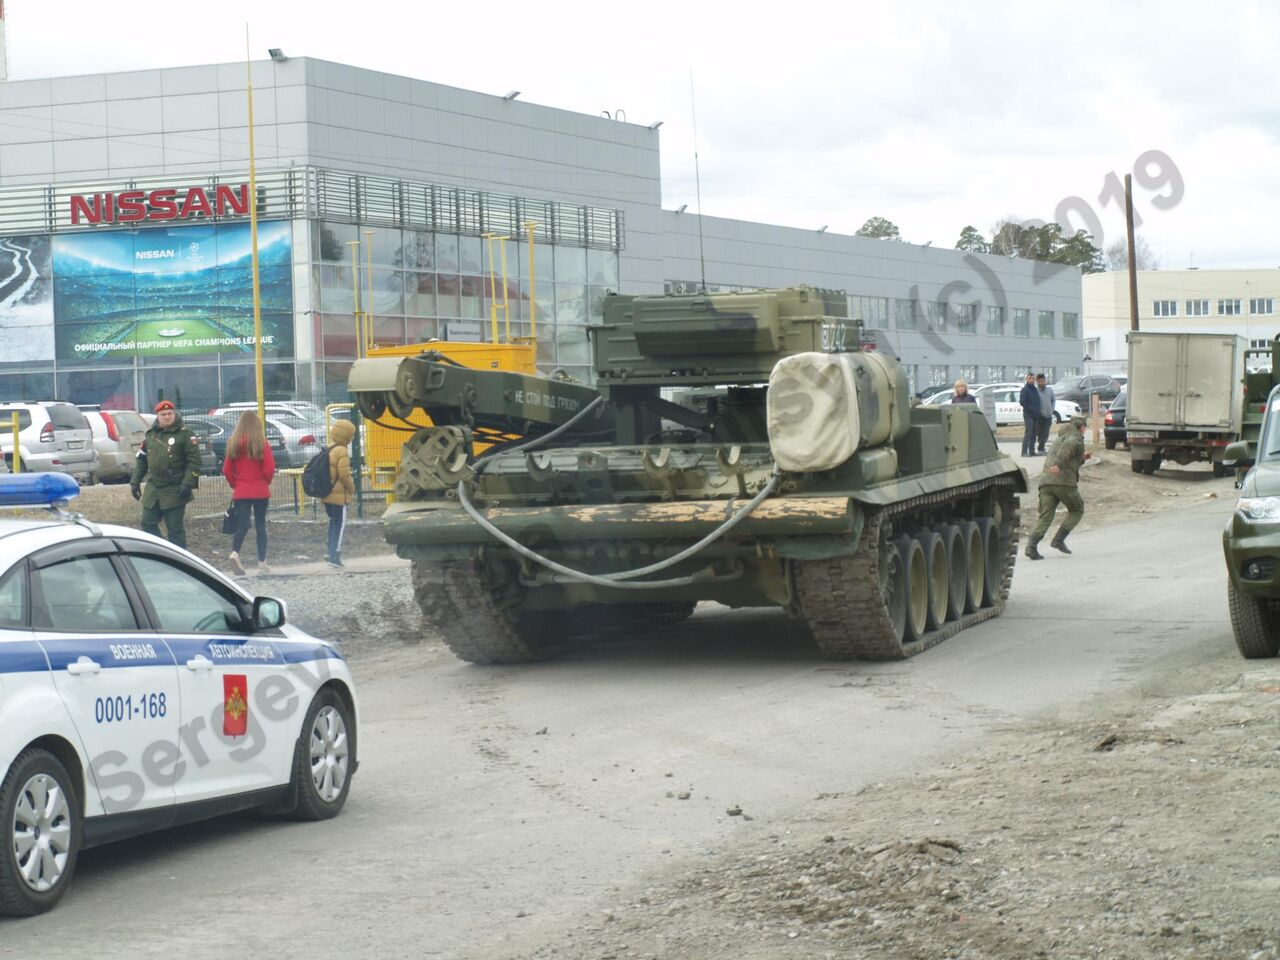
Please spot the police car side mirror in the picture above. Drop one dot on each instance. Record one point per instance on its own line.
(268, 613)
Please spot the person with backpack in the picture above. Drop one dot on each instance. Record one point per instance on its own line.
(342, 487)
(249, 467)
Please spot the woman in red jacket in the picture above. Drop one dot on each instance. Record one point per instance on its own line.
(249, 467)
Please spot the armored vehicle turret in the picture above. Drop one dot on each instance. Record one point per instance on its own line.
(738, 448)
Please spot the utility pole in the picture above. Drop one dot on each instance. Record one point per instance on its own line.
(1133, 266)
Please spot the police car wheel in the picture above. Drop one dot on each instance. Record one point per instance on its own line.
(325, 758)
(40, 814)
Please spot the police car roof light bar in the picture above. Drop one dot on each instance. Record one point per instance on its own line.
(37, 490)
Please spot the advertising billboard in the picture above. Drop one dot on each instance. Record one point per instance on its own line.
(164, 292)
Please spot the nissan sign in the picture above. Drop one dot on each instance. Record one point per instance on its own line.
(137, 206)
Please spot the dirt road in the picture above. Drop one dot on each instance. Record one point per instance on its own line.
(502, 812)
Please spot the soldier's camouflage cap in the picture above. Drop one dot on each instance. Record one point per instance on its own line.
(1079, 420)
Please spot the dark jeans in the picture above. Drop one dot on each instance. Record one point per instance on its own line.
(1042, 431)
(243, 509)
(1029, 425)
(176, 532)
(337, 521)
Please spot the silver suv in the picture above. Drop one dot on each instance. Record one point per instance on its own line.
(52, 437)
(118, 435)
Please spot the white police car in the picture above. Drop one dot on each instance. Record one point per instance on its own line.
(140, 689)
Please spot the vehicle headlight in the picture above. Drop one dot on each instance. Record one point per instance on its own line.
(1259, 509)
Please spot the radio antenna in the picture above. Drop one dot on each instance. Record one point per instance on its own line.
(697, 179)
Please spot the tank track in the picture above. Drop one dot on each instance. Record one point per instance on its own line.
(842, 600)
(458, 600)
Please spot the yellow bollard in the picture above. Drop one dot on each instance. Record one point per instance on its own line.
(17, 452)
(299, 495)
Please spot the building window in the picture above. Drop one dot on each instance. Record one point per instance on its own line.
(936, 314)
(1259, 344)
(1021, 322)
(1051, 374)
(912, 376)
(995, 321)
(995, 374)
(969, 374)
(1197, 308)
(1046, 323)
(1262, 307)
(965, 316)
(872, 311)
(1070, 326)
(1164, 308)
(904, 314)
(1228, 308)
(938, 375)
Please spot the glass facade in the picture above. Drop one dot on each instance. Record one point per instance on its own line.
(437, 285)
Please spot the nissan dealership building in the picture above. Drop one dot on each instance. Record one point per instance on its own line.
(125, 257)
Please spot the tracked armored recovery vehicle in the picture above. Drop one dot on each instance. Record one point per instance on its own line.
(736, 448)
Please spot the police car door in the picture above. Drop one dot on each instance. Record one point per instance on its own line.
(235, 726)
(118, 680)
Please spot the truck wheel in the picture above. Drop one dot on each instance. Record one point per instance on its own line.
(1220, 469)
(1156, 461)
(40, 817)
(1110, 442)
(1254, 623)
(1136, 466)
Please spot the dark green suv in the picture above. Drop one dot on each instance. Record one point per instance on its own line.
(1251, 541)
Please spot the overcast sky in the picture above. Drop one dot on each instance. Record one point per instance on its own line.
(934, 115)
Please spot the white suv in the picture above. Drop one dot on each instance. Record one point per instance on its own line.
(52, 436)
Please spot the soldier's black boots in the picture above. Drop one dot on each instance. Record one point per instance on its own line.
(1031, 550)
(1060, 543)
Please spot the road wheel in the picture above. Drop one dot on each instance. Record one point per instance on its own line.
(1255, 623)
(1110, 442)
(915, 581)
(1155, 464)
(975, 564)
(1136, 466)
(40, 815)
(992, 558)
(959, 573)
(935, 558)
(1220, 469)
(324, 758)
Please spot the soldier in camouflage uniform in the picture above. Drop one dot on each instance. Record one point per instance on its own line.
(1060, 485)
(170, 462)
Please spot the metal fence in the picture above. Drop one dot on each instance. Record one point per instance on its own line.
(213, 495)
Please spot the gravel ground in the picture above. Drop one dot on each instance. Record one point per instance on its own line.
(369, 613)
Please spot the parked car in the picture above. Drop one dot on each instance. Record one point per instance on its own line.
(1009, 410)
(1113, 427)
(311, 414)
(944, 396)
(117, 436)
(216, 431)
(52, 437)
(303, 439)
(1081, 389)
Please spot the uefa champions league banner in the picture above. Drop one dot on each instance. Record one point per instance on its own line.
(114, 295)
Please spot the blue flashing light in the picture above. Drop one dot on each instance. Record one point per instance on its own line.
(36, 489)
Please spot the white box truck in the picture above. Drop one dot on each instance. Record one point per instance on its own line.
(1185, 398)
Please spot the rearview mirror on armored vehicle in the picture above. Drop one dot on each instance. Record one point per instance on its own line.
(1238, 454)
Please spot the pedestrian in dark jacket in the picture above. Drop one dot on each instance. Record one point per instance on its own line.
(962, 394)
(249, 467)
(169, 461)
(1030, 401)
